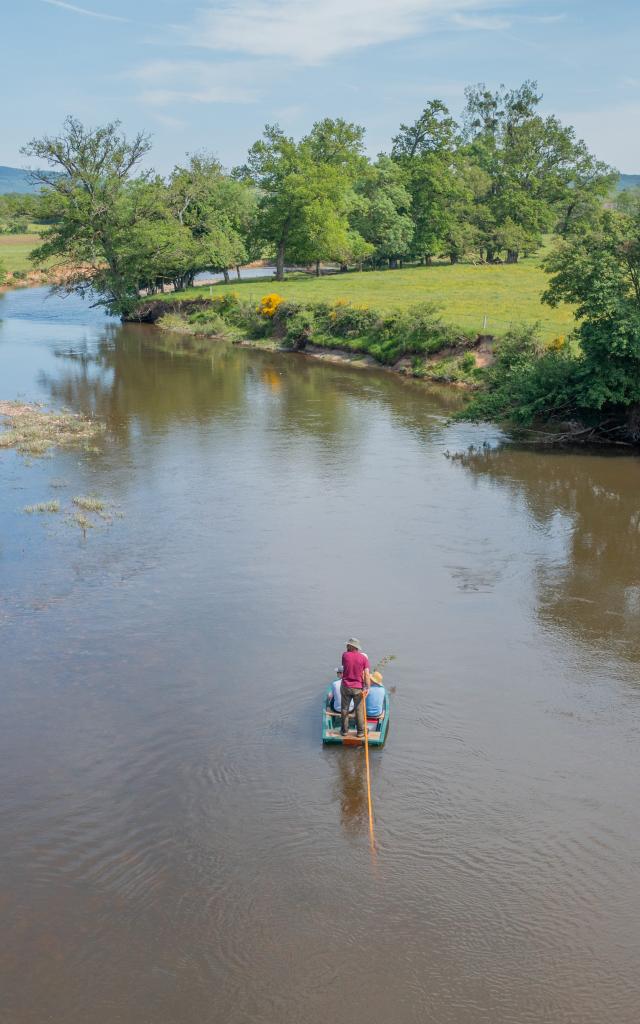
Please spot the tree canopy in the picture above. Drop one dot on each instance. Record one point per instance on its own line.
(487, 187)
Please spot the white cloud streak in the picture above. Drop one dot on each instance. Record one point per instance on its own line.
(167, 82)
(479, 23)
(309, 32)
(84, 11)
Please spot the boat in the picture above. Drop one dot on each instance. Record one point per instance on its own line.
(331, 722)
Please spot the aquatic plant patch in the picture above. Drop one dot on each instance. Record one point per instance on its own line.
(43, 506)
(33, 430)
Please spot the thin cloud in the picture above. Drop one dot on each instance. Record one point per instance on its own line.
(480, 23)
(83, 10)
(167, 121)
(309, 32)
(168, 82)
(546, 19)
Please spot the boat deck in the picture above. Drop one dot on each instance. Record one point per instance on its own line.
(331, 724)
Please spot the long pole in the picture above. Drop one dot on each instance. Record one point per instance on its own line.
(372, 838)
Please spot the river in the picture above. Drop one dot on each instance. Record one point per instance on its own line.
(176, 844)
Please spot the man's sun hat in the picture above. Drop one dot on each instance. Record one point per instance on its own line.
(339, 670)
(353, 643)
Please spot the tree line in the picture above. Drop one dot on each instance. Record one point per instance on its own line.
(486, 187)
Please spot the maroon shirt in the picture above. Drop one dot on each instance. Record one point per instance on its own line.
(353, 665)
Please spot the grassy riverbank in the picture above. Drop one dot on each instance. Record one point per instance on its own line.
(15, 251)
(415, 341)
(465, 294)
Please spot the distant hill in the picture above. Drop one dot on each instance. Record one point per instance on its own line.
(628, 181)
(12, 179)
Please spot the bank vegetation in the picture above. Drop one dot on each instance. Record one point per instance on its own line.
(486, 188)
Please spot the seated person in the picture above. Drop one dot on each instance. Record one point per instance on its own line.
(336, 701)
(375, 697)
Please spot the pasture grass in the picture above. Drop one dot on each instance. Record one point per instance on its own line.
(465, 294)
(15, 251)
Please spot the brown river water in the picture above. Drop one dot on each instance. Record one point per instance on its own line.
(176, 845)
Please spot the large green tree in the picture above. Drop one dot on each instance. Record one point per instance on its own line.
(88, 185)
(218, 210)
(426, 150)
(382, 216)
(537, 167)
(598, 269)
(305, 189)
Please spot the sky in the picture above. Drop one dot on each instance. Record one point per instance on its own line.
(207, 75)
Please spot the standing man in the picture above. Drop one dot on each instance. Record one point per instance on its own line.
(355, 686)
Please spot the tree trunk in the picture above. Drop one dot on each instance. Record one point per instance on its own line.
(633, 422)
(490, 255)
(226, 275)
(280, 258)
(428, 260)
(512, 255)
(317, 268)
(238, 272)
(393, 264)
(343, 268)
(453, 256)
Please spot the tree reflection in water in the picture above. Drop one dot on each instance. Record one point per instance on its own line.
(593, 590)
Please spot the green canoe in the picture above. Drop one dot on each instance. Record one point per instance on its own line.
(376, 727)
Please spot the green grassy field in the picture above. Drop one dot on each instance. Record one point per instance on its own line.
(464, 293)
(15, 250)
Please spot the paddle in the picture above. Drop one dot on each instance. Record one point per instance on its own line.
(372, 837)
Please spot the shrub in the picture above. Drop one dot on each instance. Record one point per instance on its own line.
(225, 303)
(210, 322)
(527, 382)
(468, 362)
(418, 330)
(345, 320)
(300, 327)
(18, 226)
(175, 322)
(269, 304)
(249, 321)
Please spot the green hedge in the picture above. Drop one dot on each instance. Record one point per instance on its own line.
(417, 331)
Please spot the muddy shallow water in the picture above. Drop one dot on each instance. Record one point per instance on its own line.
(176, 844)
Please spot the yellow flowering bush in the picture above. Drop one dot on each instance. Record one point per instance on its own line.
(269, 304)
